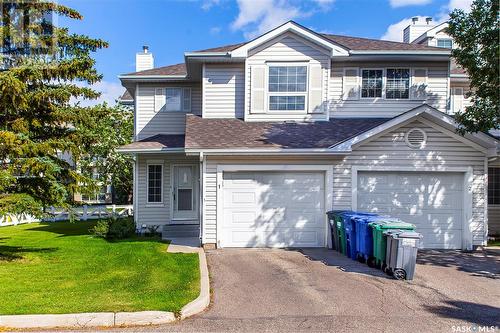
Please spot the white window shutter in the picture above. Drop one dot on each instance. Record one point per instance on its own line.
(186, 99)
(258, 93)
(315, 88)
(160, 99)
(350, 83)
(419, 83)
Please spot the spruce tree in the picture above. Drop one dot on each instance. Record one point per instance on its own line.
(45, 69)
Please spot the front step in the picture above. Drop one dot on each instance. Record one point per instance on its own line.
(180, 231)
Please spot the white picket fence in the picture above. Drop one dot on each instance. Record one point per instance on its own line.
(82, 213)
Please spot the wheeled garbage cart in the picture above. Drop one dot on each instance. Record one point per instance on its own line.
(380, 225)
(401, 257)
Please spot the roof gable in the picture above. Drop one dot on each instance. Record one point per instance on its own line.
(334, 48)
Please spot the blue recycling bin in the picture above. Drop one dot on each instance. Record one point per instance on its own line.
(364, 239)
(349, 222)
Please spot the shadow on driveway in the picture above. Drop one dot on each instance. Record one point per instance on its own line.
(480, 263)
(479, 314)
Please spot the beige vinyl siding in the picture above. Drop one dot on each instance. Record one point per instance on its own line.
(286, 48)
(437, 91)
(149, 122)
(440, 152)
(224, 90)
(156, 213)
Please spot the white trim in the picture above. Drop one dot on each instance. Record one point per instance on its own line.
(162, 164)
(468, 184)
(486, 205)
(221, 168)
(393, 52)
(149, 150)
(203, 94)
(135, 182)
(291, 26)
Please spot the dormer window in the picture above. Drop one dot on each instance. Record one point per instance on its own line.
(446, 43)
(287, 88)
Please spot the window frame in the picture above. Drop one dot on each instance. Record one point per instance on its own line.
(162, 178)
(496, 187)
(360, 82)
(182, 99)
(268, 93)
(409, 84)
(444, 39)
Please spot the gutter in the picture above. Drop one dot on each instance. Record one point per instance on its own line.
(313, 151)
(149, 150)
(403, 52)
(152, 77)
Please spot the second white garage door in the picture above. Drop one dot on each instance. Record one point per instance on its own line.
(433, 201)
(273, 209)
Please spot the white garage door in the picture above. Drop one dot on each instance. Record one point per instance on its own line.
(433, 201)
(273, 209)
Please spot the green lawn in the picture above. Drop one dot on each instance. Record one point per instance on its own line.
(59, 268)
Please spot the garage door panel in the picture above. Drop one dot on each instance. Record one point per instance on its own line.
(430, 200)
(271, 209)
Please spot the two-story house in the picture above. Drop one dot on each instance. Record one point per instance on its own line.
(248, 145)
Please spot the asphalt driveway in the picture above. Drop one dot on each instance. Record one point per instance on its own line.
(317, 290)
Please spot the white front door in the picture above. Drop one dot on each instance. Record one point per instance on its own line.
(184, 193)
(433, 201)
(273, 209)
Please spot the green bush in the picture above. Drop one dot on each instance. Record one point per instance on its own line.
(121, 228)
(100, 229)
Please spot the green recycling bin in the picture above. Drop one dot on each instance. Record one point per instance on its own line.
(380, 225)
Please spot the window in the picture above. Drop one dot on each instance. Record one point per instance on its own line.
(287, 103)
(398, 83)
(371, 83)
(494, 186)
(178, 99)
(155, 180)
(445, 43)
(287, 87)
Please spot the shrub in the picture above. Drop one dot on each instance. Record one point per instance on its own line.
(100, 229)
(120, 228)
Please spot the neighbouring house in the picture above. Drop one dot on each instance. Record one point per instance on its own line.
(248, 145)
(424, 32)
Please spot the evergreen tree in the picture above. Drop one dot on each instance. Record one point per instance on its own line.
(476, 35)
(45, 68)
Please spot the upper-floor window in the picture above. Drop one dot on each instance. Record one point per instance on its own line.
(398, 83)
(178, 99)
(287, 88)
(445, 43)
(371, 83)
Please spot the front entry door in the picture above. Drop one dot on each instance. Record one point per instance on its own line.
(184, 193)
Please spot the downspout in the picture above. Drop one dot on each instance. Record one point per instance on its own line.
(201, 206)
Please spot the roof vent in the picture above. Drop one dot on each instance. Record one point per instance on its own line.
(416, 138)
(428, 19)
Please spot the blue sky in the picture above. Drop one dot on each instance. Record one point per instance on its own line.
(171, 28)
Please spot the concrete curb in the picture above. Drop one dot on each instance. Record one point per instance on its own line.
(203, 300)
(110, 319)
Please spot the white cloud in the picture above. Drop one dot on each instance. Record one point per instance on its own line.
(110, 91)
(403, 3)
(395, 31)
(208, 4)
(215, 30)
(460, 4)
(259, 16)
